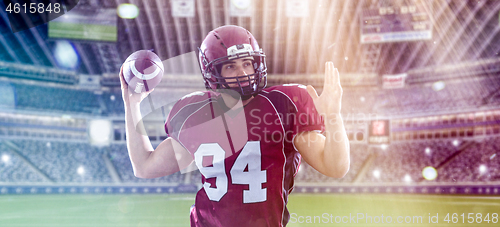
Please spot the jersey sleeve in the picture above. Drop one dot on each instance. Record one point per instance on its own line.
(181, 111)
(169, 124)
(307, 117)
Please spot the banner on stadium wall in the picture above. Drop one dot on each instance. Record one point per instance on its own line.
(393, 81)
(240, 8)
(297, 8)
(183, 8)
(379, 132)
(89, 81)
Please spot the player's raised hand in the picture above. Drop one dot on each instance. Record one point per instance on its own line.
(329, 102)
(130, 97)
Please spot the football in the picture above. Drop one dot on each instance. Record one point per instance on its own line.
(142, 70)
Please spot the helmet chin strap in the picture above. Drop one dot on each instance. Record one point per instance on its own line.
(253, 94)
(246, 97)
(235, 93)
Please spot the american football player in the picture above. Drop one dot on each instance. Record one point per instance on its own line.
(246, 140)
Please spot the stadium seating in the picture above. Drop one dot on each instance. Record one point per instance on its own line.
(60, 161)
(358, 153)
(113, 103)
(35, 98)
(466, 167)
(408, 158)
(466, 94)
(400, 162)
(119, 156)
(456, 164)
(14, 170)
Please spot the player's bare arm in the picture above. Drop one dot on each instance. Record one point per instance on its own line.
(168, 157)
(328, 153)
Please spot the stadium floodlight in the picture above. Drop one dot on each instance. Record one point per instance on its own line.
(128, 11)
(376, 173)
(407, 178)
(80, 170)
(438, 86)
(429, 173)
(100, 132)
(65, 55)
(427, 150)
(5, 158)
(482, 169)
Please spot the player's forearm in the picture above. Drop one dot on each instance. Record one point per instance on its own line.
(138, 143)
(336, 157)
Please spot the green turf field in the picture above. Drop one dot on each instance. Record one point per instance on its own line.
(173, 210)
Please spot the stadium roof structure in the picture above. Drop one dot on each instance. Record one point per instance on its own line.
(328, 31)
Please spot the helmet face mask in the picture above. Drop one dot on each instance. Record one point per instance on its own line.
(215, 52)
(256, 81)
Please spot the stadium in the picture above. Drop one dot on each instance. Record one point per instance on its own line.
(421, 106)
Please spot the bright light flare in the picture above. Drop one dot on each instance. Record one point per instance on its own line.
(128, 11)
(5, 158)
(100, 132)
(438, 86)
(429, 173)
(483, 169)
(80, 170)
(65, 55)
(407, 178)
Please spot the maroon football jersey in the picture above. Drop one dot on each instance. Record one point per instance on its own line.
(245, 154)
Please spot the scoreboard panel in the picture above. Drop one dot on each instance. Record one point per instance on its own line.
(395, 24)
(85, 25)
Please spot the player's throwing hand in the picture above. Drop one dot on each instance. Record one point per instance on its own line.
(128, 96)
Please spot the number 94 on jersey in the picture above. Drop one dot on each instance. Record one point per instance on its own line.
(249, 158)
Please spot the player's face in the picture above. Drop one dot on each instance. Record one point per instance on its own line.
(237, 68)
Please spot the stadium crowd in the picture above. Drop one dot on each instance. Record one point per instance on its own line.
(39, 161)
(402, 161)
